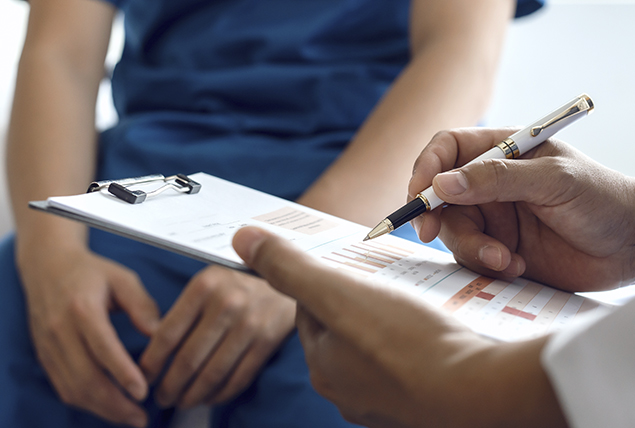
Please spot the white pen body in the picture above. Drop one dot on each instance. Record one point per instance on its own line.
(432, 198)
(528, 137)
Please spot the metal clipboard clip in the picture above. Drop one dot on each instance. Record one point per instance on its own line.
(119, 188)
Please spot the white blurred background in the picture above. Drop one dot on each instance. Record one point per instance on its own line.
(570, 47)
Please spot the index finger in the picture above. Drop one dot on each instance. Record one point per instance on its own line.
(451, 149)
(111, 355)
(323, 291)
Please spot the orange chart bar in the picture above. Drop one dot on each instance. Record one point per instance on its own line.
(473, 289)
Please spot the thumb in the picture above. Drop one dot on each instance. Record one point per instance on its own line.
(319, 289)
(536, 181)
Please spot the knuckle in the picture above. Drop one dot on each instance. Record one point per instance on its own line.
(167, 338)
(132, 278)
(201, 285)
(499, 170)
(188, 364)
(81, 310)
(213, 376)
(233, 387)
(66, 397)
(44, 352)
(351, 416)
(78, 395)
(321, 385)
(567, 172)
(443, 134)
(54, 326)
(250, 325)
(496, 175)
(96, 395)
(233, 305)
(209, 282)
(461, 246)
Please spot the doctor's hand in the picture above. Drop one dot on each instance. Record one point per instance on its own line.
(554, 215)
(386, 359)
(216, 337)
(70, 294)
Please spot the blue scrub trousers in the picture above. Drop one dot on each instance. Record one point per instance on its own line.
(281, 396)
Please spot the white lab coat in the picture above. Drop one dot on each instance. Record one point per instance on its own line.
(592, 369)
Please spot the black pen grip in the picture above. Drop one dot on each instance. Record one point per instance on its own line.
(406, 213)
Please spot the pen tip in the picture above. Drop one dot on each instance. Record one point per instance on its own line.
(381, 229)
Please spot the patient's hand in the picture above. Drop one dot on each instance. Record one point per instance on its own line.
(69, 297)
(221, 331)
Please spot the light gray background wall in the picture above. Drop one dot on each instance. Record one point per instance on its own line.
(570, 47)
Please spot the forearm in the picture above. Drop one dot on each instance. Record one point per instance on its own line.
(50, 148)
(447, 84)
(52, 140)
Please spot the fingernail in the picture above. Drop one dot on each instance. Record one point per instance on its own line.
(247, 241)
(490, 256)
(515, 268)
(137, 390)
(452, 183)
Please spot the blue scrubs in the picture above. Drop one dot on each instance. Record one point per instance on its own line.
(266, 93)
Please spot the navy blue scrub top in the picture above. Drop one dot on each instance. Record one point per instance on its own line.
(265, 93)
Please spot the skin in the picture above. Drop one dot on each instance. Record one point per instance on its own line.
(70, 290)
(387, 359)
(554, 207)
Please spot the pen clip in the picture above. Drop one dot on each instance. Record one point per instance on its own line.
(584, 104)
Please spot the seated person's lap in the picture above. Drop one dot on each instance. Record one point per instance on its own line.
(281, 396)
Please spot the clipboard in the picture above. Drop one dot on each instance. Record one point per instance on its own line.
(194, 215)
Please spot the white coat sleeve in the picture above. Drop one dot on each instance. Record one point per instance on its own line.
(592, 369)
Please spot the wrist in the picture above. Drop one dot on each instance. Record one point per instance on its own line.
(45, 242)
(521, 389)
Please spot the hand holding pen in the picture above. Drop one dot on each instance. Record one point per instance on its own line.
(555, 215)
(511, 147)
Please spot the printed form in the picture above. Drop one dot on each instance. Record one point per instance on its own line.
(202, 226)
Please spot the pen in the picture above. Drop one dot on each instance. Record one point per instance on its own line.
(510, 148)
